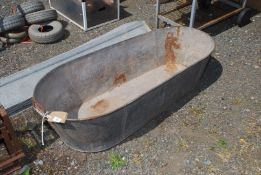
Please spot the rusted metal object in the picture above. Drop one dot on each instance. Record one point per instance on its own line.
(221, 18)
(237, 7)
(13, 146)
(113, 92)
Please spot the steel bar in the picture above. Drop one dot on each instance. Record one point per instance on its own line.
(214, 21)
(193, 13)
(157, 13)
(244, 3)
(84, 16)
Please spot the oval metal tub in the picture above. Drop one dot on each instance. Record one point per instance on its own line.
(113, 92)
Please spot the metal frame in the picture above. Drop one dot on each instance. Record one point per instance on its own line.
(85, 21)
(160, 16)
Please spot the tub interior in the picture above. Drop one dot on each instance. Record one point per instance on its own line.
(126, 92)
(106, 80)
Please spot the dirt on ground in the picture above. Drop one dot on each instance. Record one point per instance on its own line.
(20, 56)
(216, 129)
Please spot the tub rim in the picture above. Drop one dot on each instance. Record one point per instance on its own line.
(40, 109)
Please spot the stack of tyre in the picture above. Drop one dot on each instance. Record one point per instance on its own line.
(43, 27)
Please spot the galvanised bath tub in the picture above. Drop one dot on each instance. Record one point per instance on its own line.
(113, 92)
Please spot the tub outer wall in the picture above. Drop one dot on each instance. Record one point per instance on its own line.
(107, 131)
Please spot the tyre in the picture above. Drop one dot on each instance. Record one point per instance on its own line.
(2, 46)
(244, 17)
(41, 16)
(9, 41)
(16, 35)
(47, 33)
(11, 23)
(29, 7)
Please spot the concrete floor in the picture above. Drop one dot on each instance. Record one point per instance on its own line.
(215, 130)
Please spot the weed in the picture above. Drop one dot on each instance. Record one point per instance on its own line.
(196, 111)
(212, 148)
(222, 143)
(28, 141)
(116, 161)
(182, 144)
(26, 172)
(237, 101)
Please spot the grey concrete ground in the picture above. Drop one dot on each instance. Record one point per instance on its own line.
(214, 130)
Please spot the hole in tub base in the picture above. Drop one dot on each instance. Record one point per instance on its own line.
(127, 92)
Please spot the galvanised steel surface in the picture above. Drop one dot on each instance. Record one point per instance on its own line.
(88, 14)
(182, 52)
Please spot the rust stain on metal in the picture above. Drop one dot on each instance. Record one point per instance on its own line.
(171, 43)
(100, 77)
(100, 106)
(119, 79)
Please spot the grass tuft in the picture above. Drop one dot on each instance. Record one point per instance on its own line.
(116, 161)
(197, 111)
(222, 143)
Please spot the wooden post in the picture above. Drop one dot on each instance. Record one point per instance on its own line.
(12, 144)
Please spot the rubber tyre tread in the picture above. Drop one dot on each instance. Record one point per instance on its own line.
(2, 46)
(29, 7)
(46, 37)
(41, 16)
(16, 35)
(244, 17)
(9, 40)
(11, 22)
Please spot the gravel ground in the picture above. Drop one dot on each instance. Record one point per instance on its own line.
(20, 56)
(214, 130)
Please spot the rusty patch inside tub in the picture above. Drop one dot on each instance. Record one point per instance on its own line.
(119, 79)
(171, 43)
(100, 106)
